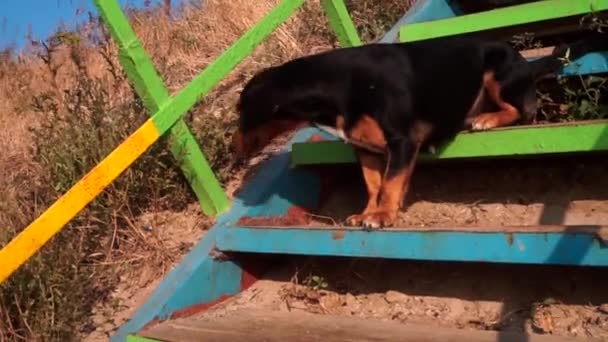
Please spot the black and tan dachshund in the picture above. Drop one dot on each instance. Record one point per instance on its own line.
(391, 100)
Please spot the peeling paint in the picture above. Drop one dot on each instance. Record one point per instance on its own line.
(510, 239)
(185, 312)
(296, 216)
(338, 235)
(218, 255)
(197, 308)
(521, 246)
(250, 274)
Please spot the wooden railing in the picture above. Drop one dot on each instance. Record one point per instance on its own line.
(167, 119)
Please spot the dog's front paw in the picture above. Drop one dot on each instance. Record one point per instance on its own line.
(355, 220)
(379, 220)
(485, 122)
(372, 220)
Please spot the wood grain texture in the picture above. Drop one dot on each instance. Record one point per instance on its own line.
(140, 70)
(269, 326)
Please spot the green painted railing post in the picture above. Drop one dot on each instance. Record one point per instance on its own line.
(151, 88)
(341, 23)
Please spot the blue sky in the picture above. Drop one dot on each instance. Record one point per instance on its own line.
(42, 16)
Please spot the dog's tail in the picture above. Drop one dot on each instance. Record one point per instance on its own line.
(548, 65)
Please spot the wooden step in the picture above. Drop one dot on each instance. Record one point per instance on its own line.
(538, 12)
(561, 138)
(556, 245)
(268, 326)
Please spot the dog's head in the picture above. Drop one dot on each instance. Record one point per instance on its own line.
(261, 116)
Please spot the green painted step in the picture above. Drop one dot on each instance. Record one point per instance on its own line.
(499, 18)
(510, 141)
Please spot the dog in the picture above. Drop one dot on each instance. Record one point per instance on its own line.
(392, 100)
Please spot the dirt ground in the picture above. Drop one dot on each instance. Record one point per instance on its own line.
(179, 232)
(550, 191)
(566, 301)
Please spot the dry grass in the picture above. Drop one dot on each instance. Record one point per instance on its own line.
(65, 104)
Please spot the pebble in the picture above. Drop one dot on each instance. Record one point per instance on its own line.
(350, 300)
(352, 303)
(298, 304)
(331, 301)
(395, 297)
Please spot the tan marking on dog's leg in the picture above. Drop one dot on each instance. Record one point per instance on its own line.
(368, 132)
(504, 117)
(373, 166)
(392, 193)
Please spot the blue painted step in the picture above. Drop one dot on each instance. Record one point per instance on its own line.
(561, 246)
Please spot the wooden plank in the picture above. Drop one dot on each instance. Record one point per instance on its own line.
(548, 248)
(296, 326)
(572, 229)
(341, 23)
(504, 17)
(502, 142)
(49, 223)
(151, 89)
(422, 11)
(540, 29)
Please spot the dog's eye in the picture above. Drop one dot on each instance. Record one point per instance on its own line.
(275, 109)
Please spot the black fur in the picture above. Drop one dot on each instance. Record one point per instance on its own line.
(436, 81)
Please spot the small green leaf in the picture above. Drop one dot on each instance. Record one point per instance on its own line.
(569, 92)
(585, 107)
